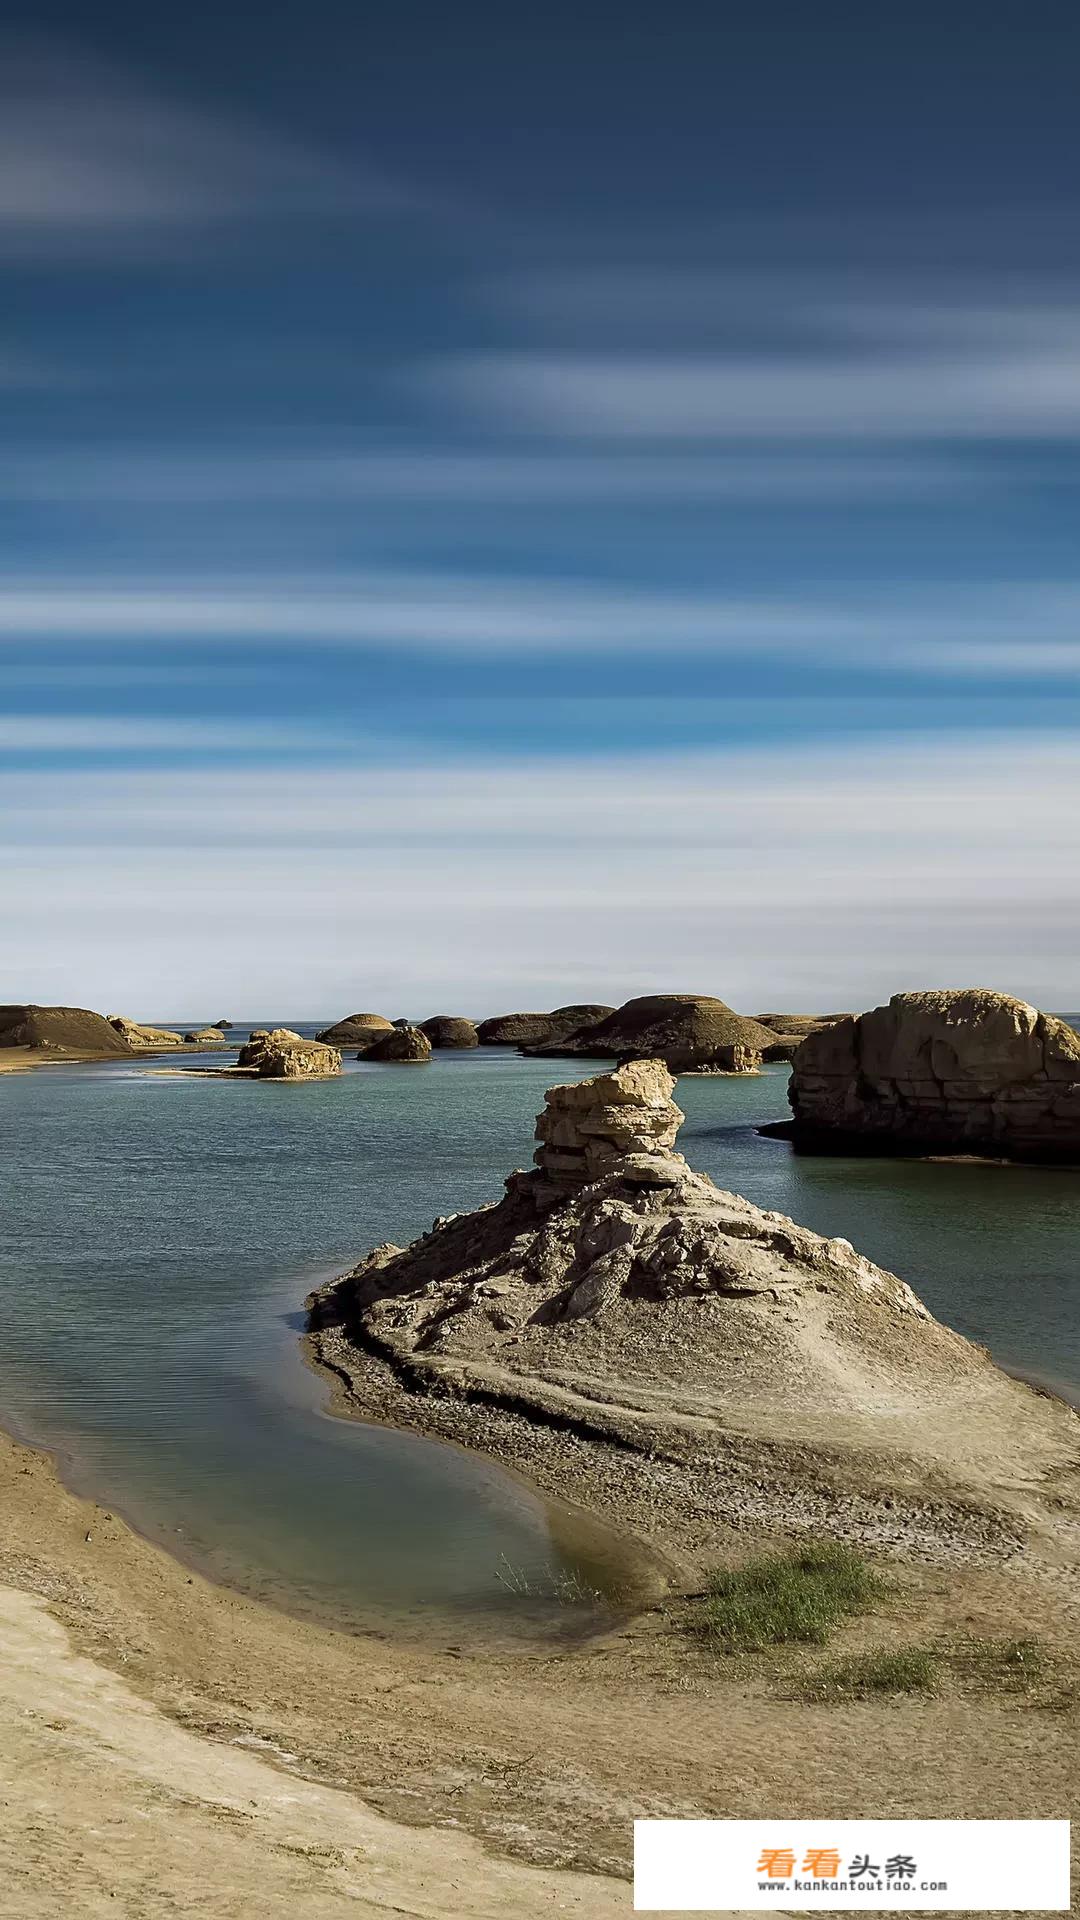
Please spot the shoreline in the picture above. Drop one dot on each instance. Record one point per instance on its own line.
(544, 1757)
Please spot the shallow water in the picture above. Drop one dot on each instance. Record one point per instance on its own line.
(160, 1232)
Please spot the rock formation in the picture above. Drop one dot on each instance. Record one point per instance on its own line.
(538, 1029)
(284, 1055)
(679, 1358)
(404, 1044)
(587, 1127)
(967, 1071)
(688, 1031)
(355, 1030)
(449, 1030)
(138, 1036)
(60, 1030)
(203, 1033)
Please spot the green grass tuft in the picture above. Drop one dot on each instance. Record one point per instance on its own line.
(787, 1597)
(864, 1676)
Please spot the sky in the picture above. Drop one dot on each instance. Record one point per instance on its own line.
(506, 510)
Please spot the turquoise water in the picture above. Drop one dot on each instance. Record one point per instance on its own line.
(160, 1231)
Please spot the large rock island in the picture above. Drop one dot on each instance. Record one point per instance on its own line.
(681, 1360)
(74, 1031)
(968, 1071)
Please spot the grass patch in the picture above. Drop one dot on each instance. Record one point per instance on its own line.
(866, 1676)
(783, 1598)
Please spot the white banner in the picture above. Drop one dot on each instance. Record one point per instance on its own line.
(797, 1866)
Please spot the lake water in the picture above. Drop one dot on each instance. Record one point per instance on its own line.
(159, 1233)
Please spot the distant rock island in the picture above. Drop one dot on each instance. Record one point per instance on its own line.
(409, 1045)
(450, 1030)
(690, 1032)
(679, 1359)
(537, 1029)
(355, 1029)
(952, 1072)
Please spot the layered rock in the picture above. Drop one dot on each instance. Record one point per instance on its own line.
(404, 1044)
(283, 1055)
(200, 1034)
(955, 1071)
(355, 1030)
(450, 1030)
(688, 1031)
(541, 1030)
(587, 1127)
(137, 1035)
(61, 1030)
(679, 1358)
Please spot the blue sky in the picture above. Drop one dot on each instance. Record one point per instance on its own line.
(500, 510)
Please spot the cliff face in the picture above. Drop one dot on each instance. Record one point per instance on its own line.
(953, 1071)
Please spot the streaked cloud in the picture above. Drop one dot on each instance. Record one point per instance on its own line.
(831, 875)
(179, 477)
(1012, 627)
(118, 734)
(1011, 393)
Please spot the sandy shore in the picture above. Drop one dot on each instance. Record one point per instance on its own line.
(160, 1735)
(26, 1059)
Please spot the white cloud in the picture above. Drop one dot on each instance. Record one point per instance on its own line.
(90, 151)
(1014, 627)
(830, 875)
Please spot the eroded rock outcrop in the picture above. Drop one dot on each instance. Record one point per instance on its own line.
(450, 1030)
(200, 1034)
(626, 1332)
(407, 1045)
(283, 1055)
(955, 1071)
(355, 1030)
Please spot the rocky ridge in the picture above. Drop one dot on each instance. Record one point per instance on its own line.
(968, 1071)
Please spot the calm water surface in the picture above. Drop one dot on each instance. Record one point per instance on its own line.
(159, 1234)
